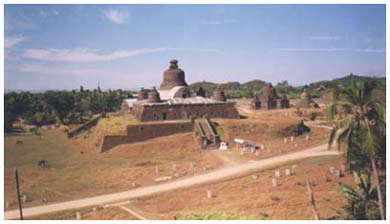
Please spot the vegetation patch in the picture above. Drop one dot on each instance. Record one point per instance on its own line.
(294, 130)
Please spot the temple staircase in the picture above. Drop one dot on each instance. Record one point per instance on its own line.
(205, 133)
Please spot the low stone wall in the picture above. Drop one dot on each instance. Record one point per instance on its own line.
(142, 132)
(83, 127)
(110, 141)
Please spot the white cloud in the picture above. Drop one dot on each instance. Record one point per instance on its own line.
(216, 22)
(325, 38)
(12, 41)
(311, 49)
(47, 13)
(86, 56)
(117, 16)
(332, 50)
(368, 50)
(45, 69)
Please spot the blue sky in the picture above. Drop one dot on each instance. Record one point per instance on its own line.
(129, 46)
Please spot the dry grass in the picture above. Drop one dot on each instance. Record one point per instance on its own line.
(258, 198)
(78, 169)
(73, 175)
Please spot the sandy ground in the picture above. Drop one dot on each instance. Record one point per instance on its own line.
(257, 198)
(213, 176)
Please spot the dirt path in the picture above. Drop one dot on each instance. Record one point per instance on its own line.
(214, 176)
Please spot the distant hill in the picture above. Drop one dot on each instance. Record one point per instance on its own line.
(237, 90)
(380, 81)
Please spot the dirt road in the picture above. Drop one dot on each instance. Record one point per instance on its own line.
(214, 176)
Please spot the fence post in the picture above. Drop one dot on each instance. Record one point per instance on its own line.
(18, 193)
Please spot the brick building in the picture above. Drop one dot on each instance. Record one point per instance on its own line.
(175, 100)
(269, 99)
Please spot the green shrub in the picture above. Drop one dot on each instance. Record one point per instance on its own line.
(313, 116)
(294, 130)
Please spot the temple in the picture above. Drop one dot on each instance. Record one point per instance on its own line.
(306, 101)
(269, 99)
(175, 100)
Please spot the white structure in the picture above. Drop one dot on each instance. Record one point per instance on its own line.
(274, 182)
(210, 193)
(223, 146)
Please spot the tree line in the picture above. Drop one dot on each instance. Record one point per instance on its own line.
(63, 107)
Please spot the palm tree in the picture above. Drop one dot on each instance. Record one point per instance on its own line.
(359, 129)
(362, 198)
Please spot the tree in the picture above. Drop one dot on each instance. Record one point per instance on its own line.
(359, 129)
(62, 102)
(361, 199)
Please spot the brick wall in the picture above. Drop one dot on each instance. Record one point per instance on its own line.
(178, 112)
(142, 132)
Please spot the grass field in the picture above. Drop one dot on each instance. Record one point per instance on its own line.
(74, 175)
(78, 169)
(248, 199)
(240, 197)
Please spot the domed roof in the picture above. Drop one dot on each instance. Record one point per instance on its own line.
(219, 94)
(305, 94)
(154, 96)
(142, 94)
(268, 92)
(173, 76)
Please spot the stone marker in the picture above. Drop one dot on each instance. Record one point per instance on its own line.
(292, 138)
(257, 153)
(331, 169)
(255, 177)
(192, 166)
(285, 140)
(134, 184)
(262, 147)
(337, 173)
(156, 169)
(160, 179)
(307, 137)
(277, 174)
(274, 182)
(210, 193)
(78, 215)
(288, 172)
(342, 168)
(25, 198)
